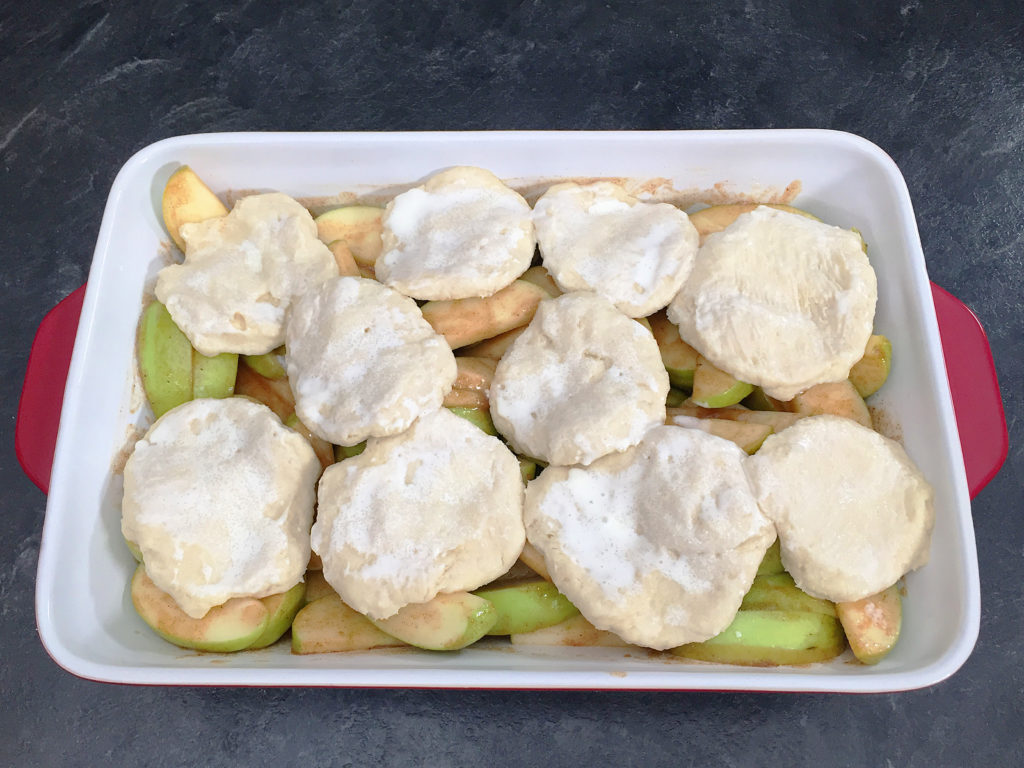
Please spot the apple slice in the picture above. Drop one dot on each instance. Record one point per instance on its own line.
(776, 420)
(347, 266)
(575, 631)
(165, 360)
(481, 417)
(535, 560)
(317, 586)
(757, 400)
(474, 373)
(269, 365)
(747, 436)
(675, 398)
(446, 623)
(187, 200)
(282, 608)
(839, 398)
(779, 592)
(871, 371)
(323, 449)
(466, 398)
(342, 452)
(718, 217)
(235, 625)
(527, 467)
(770, 639)
(359, 226)
(714, 388)
(872, 625)
(527, 606)
(465, 321)
(680, 358)
(134, 549)
(772, 561)
(328, 625)
(213, 376)
(495, 347)
(542, 279)
(276, 394)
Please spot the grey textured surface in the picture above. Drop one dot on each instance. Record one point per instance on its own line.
(939, 85)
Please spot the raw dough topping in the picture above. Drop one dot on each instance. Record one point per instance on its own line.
(657, 544)
(779, 300)
(363, 362)
(218, 497)
(438, 508)
(241, 272)
(600, 238)
(461, 234)
(582, 381)
(852, 510)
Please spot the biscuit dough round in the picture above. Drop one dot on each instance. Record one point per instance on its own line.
(362, 361)
(241, 272)
(583, 380)
(779, 300)
(597, 237)
(218, 497)
(461, 234)
(436, 509)
(852, 510)
(657, 544)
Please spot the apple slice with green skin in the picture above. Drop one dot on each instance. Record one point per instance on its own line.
(269, 365)
(447, 623)
(165, 360)
(527, 606)
(872, 625)
(777, 420)
(757, 400)
(276, 394)
(481, 417)
(467, 321)
(771, 563)
(718, 217)
(679, 358)
(328, 625)
(359, 226)
(575, 631)
(871, 371)
(282, 607)
(187, 200)
(214, 376)
(342, 452)
(746, 435)
(838, 398)
(233, 626)
(134, 549)
(779, 592)
(770, 639)
(494, 347)
(527, 467)
(714, 388)
(675, 398)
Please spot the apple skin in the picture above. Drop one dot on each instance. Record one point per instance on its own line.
(165, 360)
(714, 388)
(328, 625)
(527, 606)
(282, 608)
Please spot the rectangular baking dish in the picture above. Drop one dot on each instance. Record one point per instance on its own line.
(85, 617)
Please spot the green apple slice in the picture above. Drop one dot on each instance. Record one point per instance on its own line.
(779, 592)
(165, 360)
(328, 625)
(446, 623)
(359, 226)
(871, 371)
(714, 388)
(839, 398)
(527, 467)
(771, 563)
(675, 398)
(757, 400)
(134, 549)
(342, 452)
(186, 200)
(872, 625)
(282, 608)
(679, 358)
(527, 606)
(481, 417)
(269, 365)
(214, 376)
(575, 631)
(235, 625)
(770, 639)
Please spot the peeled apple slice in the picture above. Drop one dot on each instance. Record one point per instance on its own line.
(233, 626)
(187, 200)
(575, 631)
(871, 371)
(718, 217)
(771, 638)
(872, 625)
(165, 360)
(446, 623)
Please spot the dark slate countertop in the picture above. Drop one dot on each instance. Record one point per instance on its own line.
(938, 85)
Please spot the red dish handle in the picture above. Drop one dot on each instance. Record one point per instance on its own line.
(969, 366)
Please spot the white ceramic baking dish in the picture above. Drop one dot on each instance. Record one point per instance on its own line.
(85, 616)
